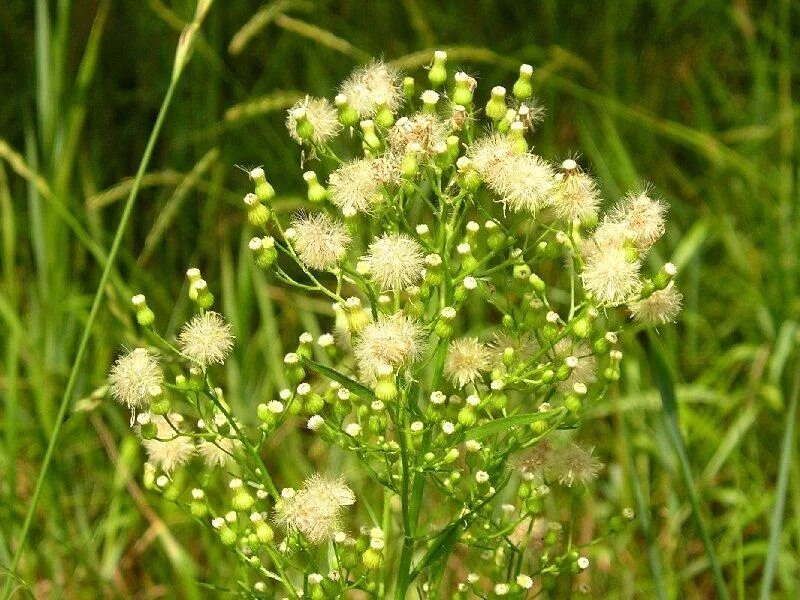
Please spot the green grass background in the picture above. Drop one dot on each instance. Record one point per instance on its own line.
(695, 97)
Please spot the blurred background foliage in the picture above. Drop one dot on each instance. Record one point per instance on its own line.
(693, 96)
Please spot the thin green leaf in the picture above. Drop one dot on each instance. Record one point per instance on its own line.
(356, 388)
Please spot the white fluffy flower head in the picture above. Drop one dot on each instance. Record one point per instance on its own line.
(396, 341)
(132, 376)
(369, 86)
(356, 187)
(423, 129)
(395, 261)
(316, 509)
(320, 241)
(661, 307)
(207, 339)
(643, 216)
(466, 359)
(320, 113)
(576, 196)
(171, 449)
(524, 182)
(217, 452)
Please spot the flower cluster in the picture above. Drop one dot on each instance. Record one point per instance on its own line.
(479, 294)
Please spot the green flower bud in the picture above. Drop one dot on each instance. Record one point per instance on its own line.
(264, 191)
(523, 88)
(144, 316)
(264, 532)
(582, 327)
(159, 403)
(348, 116)
(498, 400)
(521, 271)
(383, 116)
(316, 193)
(313, 403)
(524, 490)
(496, 107)
(438, 72)
(264, 251)
(386, 389)
(198, 292)
(467, 416)
(517, 135)
(304, 128)
(371, 139)
(573, 404)
(148, 431)
(451, 456)
(227, 535)
(429, 100)
(409, 89)
(409, 166)
(537, 284)
(664, 276)
(198, 508)
(468, 178)
(462, 93)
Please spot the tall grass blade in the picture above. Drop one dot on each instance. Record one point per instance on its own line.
(781, 490)
(666, 386)
(182, 56)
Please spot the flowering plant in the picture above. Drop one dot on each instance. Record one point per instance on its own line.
(474, 289)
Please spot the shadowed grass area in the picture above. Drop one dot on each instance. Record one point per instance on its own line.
(694, 97)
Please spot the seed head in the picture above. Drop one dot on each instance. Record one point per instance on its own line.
(396, 340)
(660, 307)
(370, 86)
(466, 359)
(576, 195)
(395, 261)
(573, 464)
(356, 186)
(132, 376)
(321, 115)
(320, 241)
(207, 339)
(523, 181)
(643, 216)
(424, 129)
(217, 452)
(610, 275)
(170, 449)
(316, 509)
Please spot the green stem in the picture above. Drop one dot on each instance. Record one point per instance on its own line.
(87, 330)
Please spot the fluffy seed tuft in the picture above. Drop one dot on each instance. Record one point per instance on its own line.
(661, 307)
(356, 187)
(395, 261)
(369, 86)
(321, 115)
(396, 340)
(132, 376)
(466, 359)
(524, 182)
(170, 449)
(320, 241)
(207, 339)
(316, 509)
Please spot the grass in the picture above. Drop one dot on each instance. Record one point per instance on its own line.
(645, 90)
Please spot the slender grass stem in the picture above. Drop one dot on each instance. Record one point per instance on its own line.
(184, 47)
(665, 383)
(776, 527)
